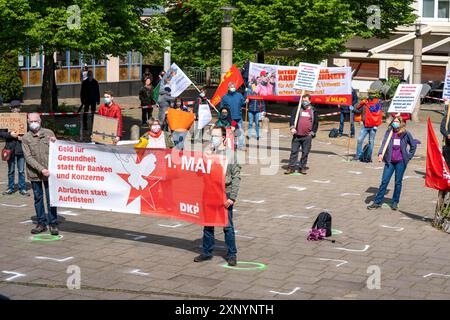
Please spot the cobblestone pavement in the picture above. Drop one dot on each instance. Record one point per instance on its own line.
(132, 257)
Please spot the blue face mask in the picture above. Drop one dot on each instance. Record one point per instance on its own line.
(232, 89)
(395, 125)
(305, 103)
(107, 100)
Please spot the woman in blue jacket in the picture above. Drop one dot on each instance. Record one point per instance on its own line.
(396, 159)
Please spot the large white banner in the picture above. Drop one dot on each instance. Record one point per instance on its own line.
(446, 91)
(274, 82)
(405, 98)
(204, 115)
(176, 80)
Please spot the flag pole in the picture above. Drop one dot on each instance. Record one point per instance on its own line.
(298, 109)
(205, 97)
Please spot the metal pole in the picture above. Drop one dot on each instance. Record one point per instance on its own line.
(226, 53)
(417, 69)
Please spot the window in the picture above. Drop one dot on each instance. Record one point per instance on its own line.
(365, 69)
(436, 9)
(130, 66)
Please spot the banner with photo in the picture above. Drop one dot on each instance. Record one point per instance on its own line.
(276, 83)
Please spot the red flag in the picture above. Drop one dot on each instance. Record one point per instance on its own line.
(233, 75)
(437, 175)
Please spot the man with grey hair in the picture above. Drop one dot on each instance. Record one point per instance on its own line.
(35, 145)
(235, 101)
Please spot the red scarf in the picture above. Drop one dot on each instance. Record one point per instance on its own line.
(154, 135)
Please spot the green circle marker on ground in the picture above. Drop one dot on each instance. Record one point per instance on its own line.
(46, 237)
(335, 232)
(258, 266)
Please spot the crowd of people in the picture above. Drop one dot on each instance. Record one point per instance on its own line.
(166, 131)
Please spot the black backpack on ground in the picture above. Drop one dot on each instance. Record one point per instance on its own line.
(334, 133)
(365, 156)
(323, 221)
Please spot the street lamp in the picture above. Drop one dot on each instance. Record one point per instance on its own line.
(417, 27)
(227, 14)
(226, 49)
(417, 64)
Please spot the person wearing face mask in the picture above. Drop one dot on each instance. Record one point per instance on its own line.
(36, 143)
(165, 99)
(302, 135)
(197, 135)
(90, 97)
(157, 138)
(232, 182)
(235, 101)
(179, 133)
(395, 154)
(14, 143)
(111, 110)
(372, 116)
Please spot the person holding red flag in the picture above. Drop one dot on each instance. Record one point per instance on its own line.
(395, 154)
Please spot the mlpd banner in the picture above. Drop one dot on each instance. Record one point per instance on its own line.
(276, 83)
(187, 186)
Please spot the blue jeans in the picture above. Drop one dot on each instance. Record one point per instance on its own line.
(389, 168)
(362, 135)
(253, 117)
(178, 138)
(208, 237)
(21, 172)
(240, 138)
(342, 121)
(38, 190)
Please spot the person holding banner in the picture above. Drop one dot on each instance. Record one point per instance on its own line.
(235, 101)
(372, 116)
(155, 138)
(232, 182)
(302, 135)
(395, 154)
(179, 130)
(111, 110)
(36, 147)
(14, 143)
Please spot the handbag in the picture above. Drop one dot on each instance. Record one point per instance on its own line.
(6, 154)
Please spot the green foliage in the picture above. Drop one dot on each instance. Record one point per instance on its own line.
(11, 87)
(314, 28)
(393, 84)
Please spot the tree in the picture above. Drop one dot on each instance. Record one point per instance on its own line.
(11, 87)
(314, 28)
(94, 27)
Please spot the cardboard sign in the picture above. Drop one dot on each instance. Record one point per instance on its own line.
(405, 98)
(104, 129)
(14, 122)
(446, 91)
(307, 76)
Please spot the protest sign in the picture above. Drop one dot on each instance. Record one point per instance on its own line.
(104, 129)
(307, 76)
(446, 91)
(276, 83)
(405, 99)
(14, 122)
(204, 116)
(179, 119)
(188, 186)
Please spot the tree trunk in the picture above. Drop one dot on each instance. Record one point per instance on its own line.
(260, 57)
(49, 93)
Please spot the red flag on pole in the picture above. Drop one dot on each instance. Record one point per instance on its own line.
(437, 175)
(233, 75)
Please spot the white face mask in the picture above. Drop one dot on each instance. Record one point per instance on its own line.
(35, 126)
(156, 128)
(216, 141)
(202, 95)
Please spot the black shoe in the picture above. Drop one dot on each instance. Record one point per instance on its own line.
(54, 230)
(232, 261)
(352, 136)
(302, 170)
(39, 229)
(24, 193)
(8, 192)
(340, 135)
(202, 258)
(374, 206)
(394, 206)
(257, 138)
(289, 171)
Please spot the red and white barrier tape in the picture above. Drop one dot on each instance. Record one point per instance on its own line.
(434, 98)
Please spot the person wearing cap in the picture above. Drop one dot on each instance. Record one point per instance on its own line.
(14, 143)
(165, 100)
(372, 116)
(235, 101)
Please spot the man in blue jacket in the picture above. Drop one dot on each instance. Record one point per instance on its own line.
(348, 110)
(235, 101)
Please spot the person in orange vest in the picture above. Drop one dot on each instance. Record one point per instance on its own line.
(111, 110)
(372, 116)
